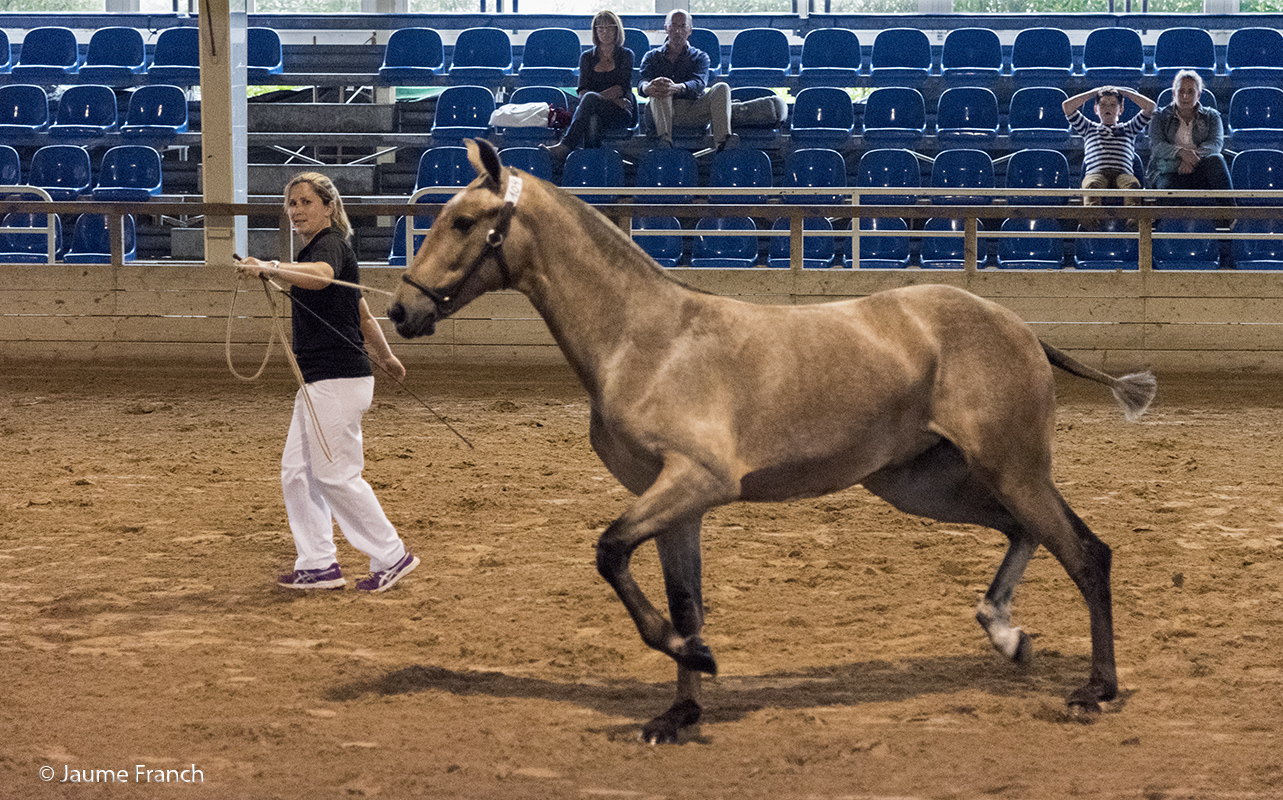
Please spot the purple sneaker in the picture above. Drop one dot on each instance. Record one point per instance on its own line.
(328, 578)
(385, 579)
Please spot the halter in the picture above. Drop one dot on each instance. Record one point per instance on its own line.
(444, 298)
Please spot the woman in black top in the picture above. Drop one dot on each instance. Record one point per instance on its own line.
(334, 338)
(605, 87)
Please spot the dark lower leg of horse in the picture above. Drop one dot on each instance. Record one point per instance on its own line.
(994, 611)
(679, 555)
(1094, 584)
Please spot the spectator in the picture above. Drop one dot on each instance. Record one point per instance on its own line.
(605, 87)
(1109, 148)
(674, 77)
(1185, 141)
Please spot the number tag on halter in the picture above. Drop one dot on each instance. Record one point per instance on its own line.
(514, 189)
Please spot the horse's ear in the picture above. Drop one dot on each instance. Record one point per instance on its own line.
(486, 160)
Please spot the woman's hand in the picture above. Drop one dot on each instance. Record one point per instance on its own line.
(256, 268)
(393, 366)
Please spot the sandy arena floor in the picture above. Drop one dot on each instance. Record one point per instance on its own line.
(141, 529)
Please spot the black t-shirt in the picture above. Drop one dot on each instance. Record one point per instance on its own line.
(323, 353)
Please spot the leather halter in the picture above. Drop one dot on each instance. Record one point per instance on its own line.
(444, 298)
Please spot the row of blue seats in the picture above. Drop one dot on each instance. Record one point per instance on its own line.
(891, 117)
(127, 173)
(91, 110)
(833, 56)
(90, 240)
(116, 56)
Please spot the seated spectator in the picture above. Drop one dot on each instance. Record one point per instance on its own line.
(1185, 141)
(674, 76)
(1108, 147)
(605, 87)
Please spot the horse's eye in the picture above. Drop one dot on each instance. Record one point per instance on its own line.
(464, 224)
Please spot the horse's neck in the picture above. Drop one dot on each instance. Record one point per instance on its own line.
(593, 289)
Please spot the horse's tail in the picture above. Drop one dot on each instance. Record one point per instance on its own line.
(1134, 392)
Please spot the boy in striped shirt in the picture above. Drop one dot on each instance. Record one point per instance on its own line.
(1108, 147)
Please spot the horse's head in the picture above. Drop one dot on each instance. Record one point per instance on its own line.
(462, 257)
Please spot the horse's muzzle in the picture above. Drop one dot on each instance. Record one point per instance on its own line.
(408, 324)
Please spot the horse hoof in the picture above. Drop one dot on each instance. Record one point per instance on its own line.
(666, 728)
(1084, 703)
(1024, 655)
(696, 656)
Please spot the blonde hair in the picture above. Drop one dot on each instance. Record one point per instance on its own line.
(329, 195)
(614, 19)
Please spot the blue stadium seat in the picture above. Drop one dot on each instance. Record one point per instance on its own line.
(10, 166)
(830, 57)
(130, 173)
(815, 167)
(24, 110)
(443, 166)
(593, 167)
(1256, 118)
(1041, 57)
(6, 54)
(1184, 48)
(1187, 254)
(1254, 56)
(412, 55)
(817, 251)
(155, 111)
(967, 117)
(519, 136)
(48, 56)
(740, 167)
(91, 240)
(1038, 169)
(463, 112)
(265, 56)
(894, 116)
(1029, 252)
(1108, 254)
(1207, 99)
(949, 252)
(1113, 56)
(725, 252)
(1037, 118)
(116, 54)
(962, 169)
(891, 169)
(62, 170)
(757, 135)
(665, 250)
(176, 58)
(823, 116)
(550, 57)
(667, 167)
(880, 252)
(396, 256)
(1262, 254)
(971, 57)
(84, 112)
(636, 40)
(901, 57)
(535, 160)
(483, 55)
(706, 40)
(1255, 171)
(760, 56)
(28, 248)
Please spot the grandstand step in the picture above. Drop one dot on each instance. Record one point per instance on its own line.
(320, 118)
(349, 179)
(188, 244)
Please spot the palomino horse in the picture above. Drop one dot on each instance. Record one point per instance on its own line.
(934, 399)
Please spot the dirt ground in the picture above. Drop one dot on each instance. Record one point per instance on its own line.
(141, 529)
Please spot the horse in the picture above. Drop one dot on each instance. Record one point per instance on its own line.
(934, 399)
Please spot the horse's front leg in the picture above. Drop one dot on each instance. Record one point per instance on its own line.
(677, 499)
(679, 554)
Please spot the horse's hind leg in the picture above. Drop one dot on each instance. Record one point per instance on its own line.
(679, 555)
(994, 610)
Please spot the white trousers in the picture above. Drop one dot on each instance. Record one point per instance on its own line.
(712, 108)
(319, 491)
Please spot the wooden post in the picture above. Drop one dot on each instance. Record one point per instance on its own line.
(224, 152)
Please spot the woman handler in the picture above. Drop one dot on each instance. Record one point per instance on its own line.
(334, 338)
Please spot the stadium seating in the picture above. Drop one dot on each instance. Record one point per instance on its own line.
(740, 167)
(550, 57)
(894, 116)
(463, 112)
(483, 55)
(265, 56)
(1113, 56)
(1041, 57)
(1254, 56)
(1122, 253)
(6, 54)
(10, 166)
(665, 250)
(1184, 48)
(535, 160)
(412, 55)
(49, 56)
(666, 167)
(1037, 169)
(84, 112)
(880, 252)
(949, 252)
(593, 167)
(962, 169)
(443, 166)
(901, 57)
(176, 58)
(967, 117)
(1255, 171)
(891, 169)
(1259, 254)
(755, 134)
(551, 95)
(1037, 118)
(830, 57)
(24, 110)
(1256, 118)
(817, 251)
(759, 56)
(725, 252)
(115, 56)
(971, 57)
(1202, 253)
(28, 248)
(396, 256)
(62, 170)
(155, 111)
(706, 40)
(1031, 252)
(129, 173)
(815, 167)
(91, 240)
(823, 116)
(636, 40)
